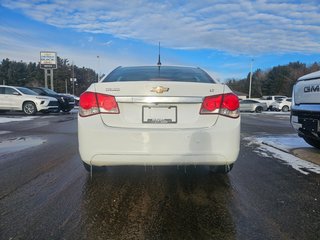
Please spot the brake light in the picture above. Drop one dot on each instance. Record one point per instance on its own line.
(211, 104)
(223, 104)
(230, 102)
(94, 103)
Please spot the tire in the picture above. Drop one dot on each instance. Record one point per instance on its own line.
(221, 168)
(94, 168)
(258, 109)
(285, 109)
(29, 108)
(313, 142)
(66, 110)
(87, 166)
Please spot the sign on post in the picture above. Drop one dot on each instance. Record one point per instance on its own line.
(48, 62)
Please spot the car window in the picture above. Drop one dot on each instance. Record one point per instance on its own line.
(1, 90)
(36, 90)
(152, 73)
(49, 91)
(248, 101)
(10, 91)
(27, 91)
(279, 98)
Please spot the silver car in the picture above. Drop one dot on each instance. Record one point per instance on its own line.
(250, 105)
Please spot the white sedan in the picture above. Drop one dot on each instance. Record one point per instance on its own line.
(159, 116)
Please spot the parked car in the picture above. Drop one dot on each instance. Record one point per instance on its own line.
(270, 99)
(305, 111)
(26, 100)
(250, 105)
(283, 104)
(159, 116)
(66, 103)
(76, 99)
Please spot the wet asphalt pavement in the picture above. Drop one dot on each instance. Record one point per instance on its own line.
(47, 194)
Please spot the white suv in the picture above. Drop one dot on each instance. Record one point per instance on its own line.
(26, 100)
(283, 104)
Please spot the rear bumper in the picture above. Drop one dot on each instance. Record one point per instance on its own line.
(101, 145)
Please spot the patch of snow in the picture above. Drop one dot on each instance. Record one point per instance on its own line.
(284, 142)
(15, 119)
(278, 147)
(4, 132)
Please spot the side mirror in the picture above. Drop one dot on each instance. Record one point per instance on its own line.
(16, 93)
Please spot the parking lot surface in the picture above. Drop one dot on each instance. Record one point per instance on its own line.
(47, 194)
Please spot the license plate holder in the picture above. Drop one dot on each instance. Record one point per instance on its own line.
(159, 114)
(311, 125)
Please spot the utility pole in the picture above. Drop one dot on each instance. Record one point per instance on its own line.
(73, 78)
(98, 57)
(250, 79)
(66, 85)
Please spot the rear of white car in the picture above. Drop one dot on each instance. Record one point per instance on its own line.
(159, 116)
(283, 104)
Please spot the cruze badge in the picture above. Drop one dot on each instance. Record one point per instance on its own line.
(160, 89)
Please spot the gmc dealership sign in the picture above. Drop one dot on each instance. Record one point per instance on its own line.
(48, 60)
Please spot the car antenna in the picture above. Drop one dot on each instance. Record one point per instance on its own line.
(159, 61)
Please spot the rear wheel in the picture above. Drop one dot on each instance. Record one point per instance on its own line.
(87, 166)
(313, 142)
(285, 109)
(258, 109)
(29, 108)
(221, 168)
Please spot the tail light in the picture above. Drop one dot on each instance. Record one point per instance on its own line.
(223, 104)
(95, 103)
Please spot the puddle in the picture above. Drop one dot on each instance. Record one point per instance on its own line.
(18, 144)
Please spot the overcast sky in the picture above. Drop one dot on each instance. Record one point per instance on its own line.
(221, 37)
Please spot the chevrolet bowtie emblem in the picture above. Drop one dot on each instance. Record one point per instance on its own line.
(160, 89)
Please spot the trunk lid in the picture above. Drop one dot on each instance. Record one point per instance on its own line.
(159, 104)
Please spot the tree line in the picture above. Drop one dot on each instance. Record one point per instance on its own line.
(29, 74)
(278, 80)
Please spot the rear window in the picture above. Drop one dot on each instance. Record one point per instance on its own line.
(176, 74)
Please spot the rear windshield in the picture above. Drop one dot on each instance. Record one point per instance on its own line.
(176, 74)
